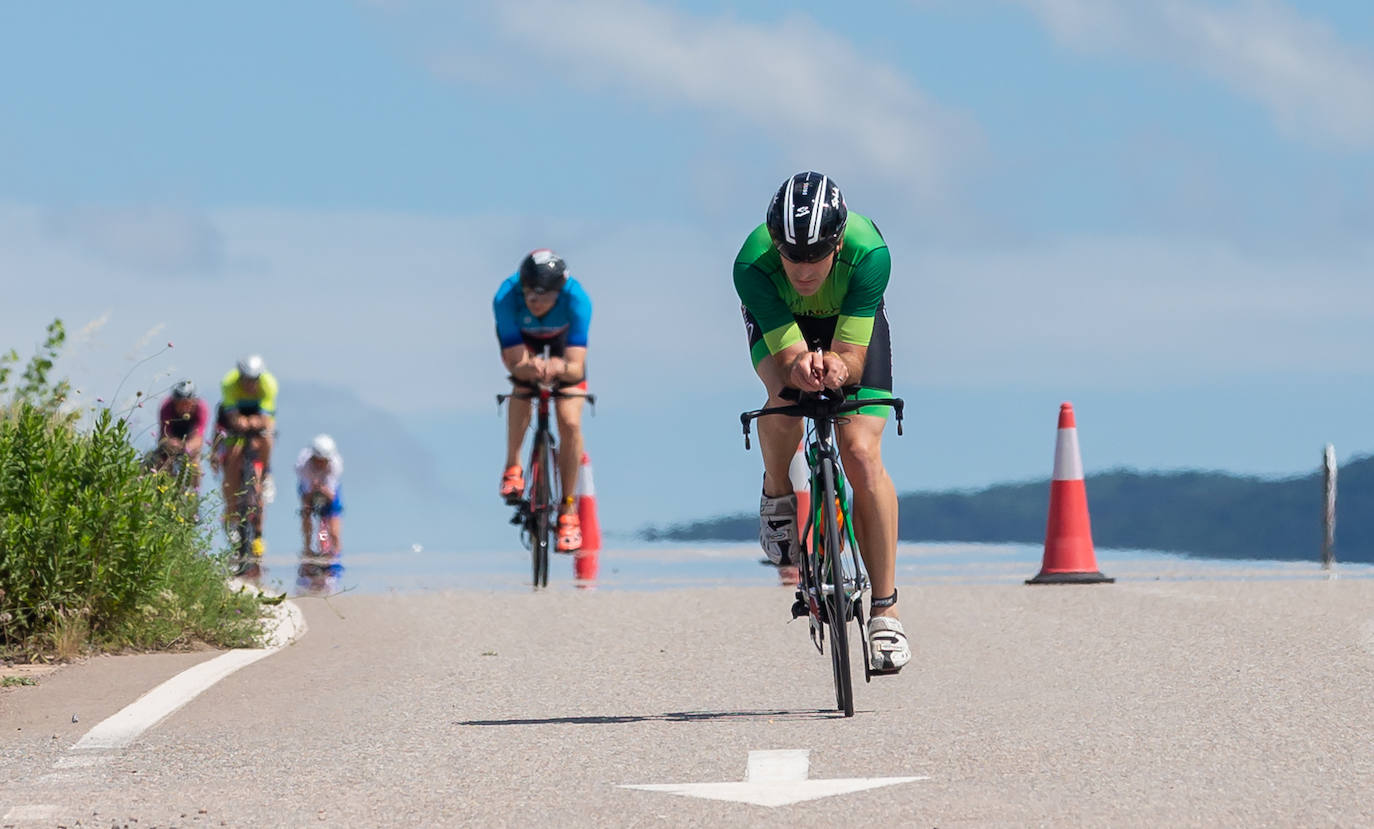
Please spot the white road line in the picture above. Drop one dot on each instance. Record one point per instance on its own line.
(53, 777)
(81, 761)
(36, 812)
(125, 726)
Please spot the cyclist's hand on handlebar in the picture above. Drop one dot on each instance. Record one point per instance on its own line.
(538, 369)
(835, 373)
(554, 368)
(807, 372)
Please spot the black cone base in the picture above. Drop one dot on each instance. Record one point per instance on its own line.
(1070, 578)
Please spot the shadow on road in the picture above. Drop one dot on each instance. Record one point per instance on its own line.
(675, 716)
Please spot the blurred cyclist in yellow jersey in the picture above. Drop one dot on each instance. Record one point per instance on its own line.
(248, 408)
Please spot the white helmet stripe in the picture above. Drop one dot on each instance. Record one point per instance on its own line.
(789, 229)
(817, 208)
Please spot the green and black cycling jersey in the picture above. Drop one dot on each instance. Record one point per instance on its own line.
(848, 307)
(851, 294)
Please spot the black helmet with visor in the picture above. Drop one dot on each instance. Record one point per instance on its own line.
(807, 217)
(543, 271)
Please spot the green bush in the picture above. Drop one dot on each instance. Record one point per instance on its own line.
(94, 552)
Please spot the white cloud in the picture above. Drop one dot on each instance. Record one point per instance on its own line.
(147, 239)
(804, 87)
(397, 308)
(1313, 84)
(1132, 313)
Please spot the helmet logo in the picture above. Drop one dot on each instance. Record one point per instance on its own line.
(803, 211)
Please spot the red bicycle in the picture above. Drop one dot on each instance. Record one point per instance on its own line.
(536, 513)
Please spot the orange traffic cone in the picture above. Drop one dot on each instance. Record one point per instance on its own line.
(585, 563)
(800, 476)
(1069, 557)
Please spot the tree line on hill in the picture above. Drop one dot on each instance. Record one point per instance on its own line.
(1211, 514)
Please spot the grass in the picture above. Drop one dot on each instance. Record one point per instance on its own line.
(12, 681)
(96, 554)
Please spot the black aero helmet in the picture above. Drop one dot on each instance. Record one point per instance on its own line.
(543, 271)
(806, 217)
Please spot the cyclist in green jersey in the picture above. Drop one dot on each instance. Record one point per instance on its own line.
(811, 281)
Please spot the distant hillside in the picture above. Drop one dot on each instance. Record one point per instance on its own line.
(1199, 513)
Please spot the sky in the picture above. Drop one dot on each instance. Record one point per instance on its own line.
(1162, 212)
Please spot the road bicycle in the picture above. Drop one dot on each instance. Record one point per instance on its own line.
(536, 511)
(825, 559)
(321, 539)
(248, 503)
(319, 568)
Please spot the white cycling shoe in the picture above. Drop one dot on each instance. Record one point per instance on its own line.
(778, 528)
(888, 649)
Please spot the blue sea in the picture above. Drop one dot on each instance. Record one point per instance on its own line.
(633, 565)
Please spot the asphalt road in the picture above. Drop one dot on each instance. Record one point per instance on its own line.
(1208, 703)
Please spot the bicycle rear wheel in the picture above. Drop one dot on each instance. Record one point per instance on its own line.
(541, 509)
(838, 610)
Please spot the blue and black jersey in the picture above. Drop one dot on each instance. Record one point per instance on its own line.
(565, 324)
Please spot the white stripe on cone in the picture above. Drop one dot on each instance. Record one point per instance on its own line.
(1068, 464)
(798, 472)
(586, 487)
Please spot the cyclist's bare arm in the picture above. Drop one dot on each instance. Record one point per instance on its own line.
(521, 364)
(240, 422)
(800, 368)
(852, 356)
(571, 367)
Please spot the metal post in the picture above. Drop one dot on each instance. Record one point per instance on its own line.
(1329, 513)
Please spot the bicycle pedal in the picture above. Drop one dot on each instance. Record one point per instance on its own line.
(798, 609)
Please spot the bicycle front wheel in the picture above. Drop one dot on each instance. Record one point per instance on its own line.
(837, 599)
(541, 510)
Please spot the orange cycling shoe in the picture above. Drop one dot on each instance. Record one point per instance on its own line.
(569, 533)
(513, 484)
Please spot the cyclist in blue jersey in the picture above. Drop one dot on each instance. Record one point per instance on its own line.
(537, 306)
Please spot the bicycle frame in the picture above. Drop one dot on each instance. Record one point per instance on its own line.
(319, 568)
(319, 514)
(535, 513)
(831, 577)
(248, 502)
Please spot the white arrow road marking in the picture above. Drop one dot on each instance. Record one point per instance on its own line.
(775, 778)
(124, 726)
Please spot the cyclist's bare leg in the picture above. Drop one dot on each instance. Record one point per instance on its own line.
(569, 412)
(263, 425)
(257, 486)
(517, 422)
(778, 434)
(306, 517)
(335, 526)
(233, 481)
(875, 502)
